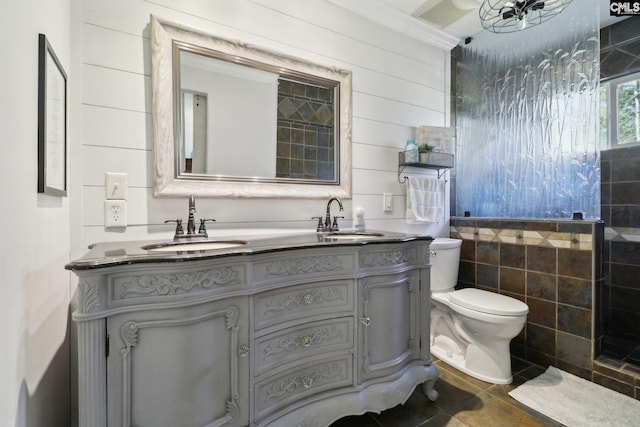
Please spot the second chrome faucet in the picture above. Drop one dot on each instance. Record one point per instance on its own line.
(328, 224)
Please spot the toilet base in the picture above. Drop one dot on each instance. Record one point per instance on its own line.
(458, 362)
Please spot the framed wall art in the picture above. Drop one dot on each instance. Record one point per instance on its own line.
(52, 122)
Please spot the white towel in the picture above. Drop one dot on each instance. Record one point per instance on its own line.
(425, 199)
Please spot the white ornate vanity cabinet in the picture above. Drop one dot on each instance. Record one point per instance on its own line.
(297, 330)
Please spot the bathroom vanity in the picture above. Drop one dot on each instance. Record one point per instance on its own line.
(280, 330)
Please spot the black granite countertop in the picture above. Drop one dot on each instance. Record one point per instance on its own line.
(102, 255)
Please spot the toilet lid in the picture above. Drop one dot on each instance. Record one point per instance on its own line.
(488, 302)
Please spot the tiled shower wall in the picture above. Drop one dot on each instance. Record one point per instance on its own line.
(621, 215)
(305, 144)
(552, 266)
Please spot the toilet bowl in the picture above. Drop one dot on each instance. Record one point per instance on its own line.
(471, 329)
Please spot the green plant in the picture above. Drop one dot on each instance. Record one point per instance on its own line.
(426, 147)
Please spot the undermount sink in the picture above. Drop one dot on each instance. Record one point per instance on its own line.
(351, 235)
(205, 245)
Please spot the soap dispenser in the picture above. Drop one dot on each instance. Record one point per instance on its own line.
(411, 151)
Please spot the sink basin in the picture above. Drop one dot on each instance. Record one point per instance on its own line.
(351, 235)
(206, 245)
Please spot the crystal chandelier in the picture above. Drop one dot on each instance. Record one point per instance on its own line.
(507, 16)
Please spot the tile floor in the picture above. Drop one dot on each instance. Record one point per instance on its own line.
(462, 401)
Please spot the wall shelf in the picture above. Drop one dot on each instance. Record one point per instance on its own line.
(427, 160)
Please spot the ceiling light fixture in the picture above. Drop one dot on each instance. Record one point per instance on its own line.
(508, 16)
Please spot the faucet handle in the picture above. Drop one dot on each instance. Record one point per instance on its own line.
(179, 229)
(334, 226)
(319, 228)
(202, 229)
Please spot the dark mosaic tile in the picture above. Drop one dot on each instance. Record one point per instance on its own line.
(575, 263)
(625, 252)
(624, 152)
(512, 255)
(625, 193)
(488, 252)
(610, 371)
(541, 259)
(625, 299)
(540, 285)
(467, 272)
(605, 171)
(460, 221)
(541, 226)
(574, 350)
(540, 358)
(625, 275)
(575, 292)
(468, 250)
(541, 313)
(575, 370)
(541, 339)
(512, 280)
(580, 227)
(614, 384)
(625, 216)
(487, 275)
(574, 320)
(625, 169)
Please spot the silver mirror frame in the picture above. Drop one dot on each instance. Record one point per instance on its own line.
(166, 181)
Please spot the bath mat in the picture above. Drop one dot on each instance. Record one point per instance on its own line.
(574, 401)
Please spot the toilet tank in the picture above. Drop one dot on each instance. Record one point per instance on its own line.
(445, 260)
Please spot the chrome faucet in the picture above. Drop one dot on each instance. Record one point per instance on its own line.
(328, 225)
(191, 223)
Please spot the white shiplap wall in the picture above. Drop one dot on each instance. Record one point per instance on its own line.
(399, 83)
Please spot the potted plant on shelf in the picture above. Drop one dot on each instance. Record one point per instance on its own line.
(425, 150)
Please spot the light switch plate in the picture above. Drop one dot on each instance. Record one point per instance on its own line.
(387, 202)
(115, 187)
(115, 213)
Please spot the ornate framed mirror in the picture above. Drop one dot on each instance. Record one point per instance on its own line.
(234, 120)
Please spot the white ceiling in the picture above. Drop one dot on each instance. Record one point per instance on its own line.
(398, 14)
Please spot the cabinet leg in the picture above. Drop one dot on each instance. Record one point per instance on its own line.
(430, 382)
(428, 390)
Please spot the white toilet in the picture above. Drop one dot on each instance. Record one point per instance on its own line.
(470, 328)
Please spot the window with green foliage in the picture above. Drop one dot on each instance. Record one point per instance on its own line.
(620, 111)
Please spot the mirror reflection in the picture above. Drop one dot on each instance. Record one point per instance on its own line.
(291, 120)
(247, 122)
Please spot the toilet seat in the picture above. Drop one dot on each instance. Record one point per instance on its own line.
(488, 302)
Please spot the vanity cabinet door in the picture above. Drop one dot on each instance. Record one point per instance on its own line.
(389, 323)
(186, 366)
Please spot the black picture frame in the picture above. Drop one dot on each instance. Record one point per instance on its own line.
(52, 121)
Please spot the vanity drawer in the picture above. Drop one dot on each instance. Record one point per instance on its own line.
(303, 341)
(302, 382)
(303, 301)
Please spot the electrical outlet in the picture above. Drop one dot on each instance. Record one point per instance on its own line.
(115, 187)
(387, 202)
(115, 213)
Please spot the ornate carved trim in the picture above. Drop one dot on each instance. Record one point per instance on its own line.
(386, 258)
(304, 265)
(89, 296)
(305, 380)
(311, 296)
(172, 284)
(293, 343)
